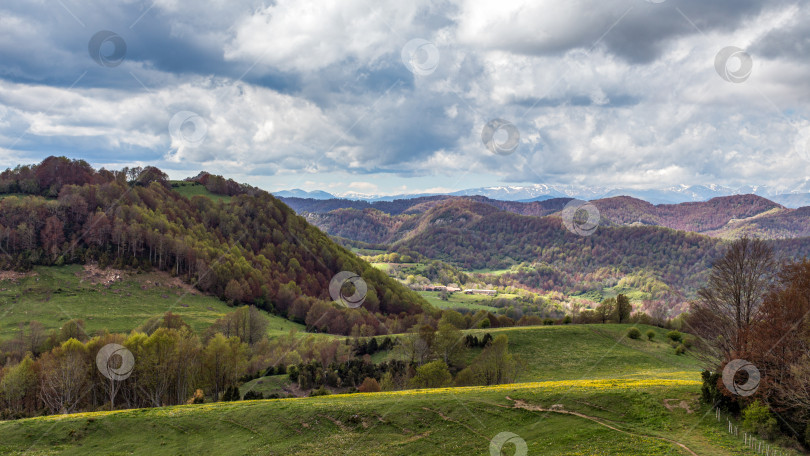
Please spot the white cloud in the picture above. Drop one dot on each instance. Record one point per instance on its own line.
(317, 90)
(306, 36)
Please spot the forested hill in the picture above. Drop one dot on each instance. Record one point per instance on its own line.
(725, 217)
(475, 236)
(252, 249)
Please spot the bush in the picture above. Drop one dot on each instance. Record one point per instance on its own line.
(434, 374)
(675, 336)
(369, 385)
(650, 335)
(252, 395)
(688, 342)
(231, 394)
(198, 398)
(680, 349)
(548, 322)
(566, 320)
(319, 392)
(292, 373)
(757, 418)
(634, 333)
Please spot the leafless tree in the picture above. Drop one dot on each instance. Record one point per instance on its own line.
(728, 306)
(64, 380)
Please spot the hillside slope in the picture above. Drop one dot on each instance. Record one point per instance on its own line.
(616, 396)
(253, 249)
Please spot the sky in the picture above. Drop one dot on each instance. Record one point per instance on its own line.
(393, 97)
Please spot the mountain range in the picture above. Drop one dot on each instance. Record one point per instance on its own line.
(723, 217)
(665, 247)
(797, 195)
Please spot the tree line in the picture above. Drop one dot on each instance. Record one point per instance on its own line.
(63, 371)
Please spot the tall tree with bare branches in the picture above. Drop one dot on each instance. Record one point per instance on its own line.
(728, 306)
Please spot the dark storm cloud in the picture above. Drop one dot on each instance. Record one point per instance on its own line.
(634, 30)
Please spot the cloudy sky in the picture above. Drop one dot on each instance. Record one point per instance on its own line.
(394, 97)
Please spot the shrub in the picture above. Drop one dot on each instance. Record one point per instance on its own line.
(434, 374)
(319, 392)
(466, 377)
(680, 349)
(369, 385)
(231, 394)
(566, 320)
(548, 322)
(634, 333)
(688, 342)
(198, 398)
(650, 335)
(675, 336)
(757, 418)
(292, 373)
(251, 395)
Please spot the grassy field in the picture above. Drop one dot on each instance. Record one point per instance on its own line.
(566, 352)
(617, 417)
(192, 189)
(54, 295)
(461, 301)
(586, 390)
(496, 272)
(592, 352)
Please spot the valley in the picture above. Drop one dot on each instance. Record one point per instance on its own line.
(479, 316)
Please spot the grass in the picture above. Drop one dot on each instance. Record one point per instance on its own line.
(623, 391)
(632, 398)
(188, 190)
(265, 385)
(384, 267)
(459, 300)
(54, 295)
(446, 421)
(576, 352)
(495, 272)
(564, 352)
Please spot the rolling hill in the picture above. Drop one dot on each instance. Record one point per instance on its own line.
(118, 249)
(725, 216)
(670, 244)
(642, 405)
(247, 247)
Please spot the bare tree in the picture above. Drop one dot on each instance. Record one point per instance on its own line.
(728, 306)
(65, 377)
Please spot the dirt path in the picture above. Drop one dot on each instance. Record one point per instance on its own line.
(558, 409)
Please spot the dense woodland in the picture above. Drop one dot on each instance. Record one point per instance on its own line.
(253, 250)
(697, 216)
(477, 233)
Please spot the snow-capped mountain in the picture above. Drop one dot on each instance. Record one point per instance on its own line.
(298, 193)
(797, 195)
